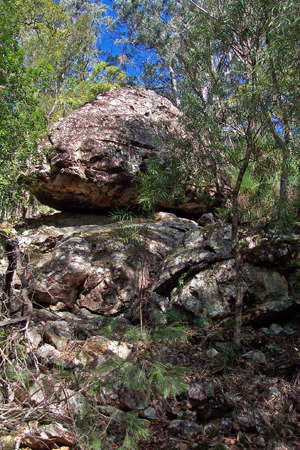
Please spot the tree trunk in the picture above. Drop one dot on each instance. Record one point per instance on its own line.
(235, 246)
(283, 193)
(174, 85)
(239, 299)
(16, 263)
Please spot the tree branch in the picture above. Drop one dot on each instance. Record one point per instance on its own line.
(204, 11)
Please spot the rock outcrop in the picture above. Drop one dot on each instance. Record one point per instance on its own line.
(107, 335)
(166, 262)
(95, 155)
(104, 268)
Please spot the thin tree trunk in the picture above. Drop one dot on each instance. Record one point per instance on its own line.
(284, 183)
(16, 263)
(239, 299)
(235, 247)
(283, 144)
(174, 85)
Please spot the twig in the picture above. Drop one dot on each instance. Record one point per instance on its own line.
(5, 323)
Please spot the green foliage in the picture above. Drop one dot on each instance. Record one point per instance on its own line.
(60, 49)
(228, 354)
(159, 184)
(272, 348)
(109, 327)
(21, 120)
(176, 316)
(148, 378)
(49, 65)
(129, 231)
(223, 212)
(201, 322)
(123, 215)
(135, 334)
(78, 92)
(242, 94)
(167, 380)
(175, 332)
(133, 428)
(3, 337)
(180, 282)
(136, 429)
(129, 234)
(95, 442)
(147, 28)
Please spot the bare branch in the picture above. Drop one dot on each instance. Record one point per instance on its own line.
(204, 11)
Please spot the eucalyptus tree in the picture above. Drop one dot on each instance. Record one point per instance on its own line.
(155, 25)
(59, 40)
(21, 121)
(279, 91)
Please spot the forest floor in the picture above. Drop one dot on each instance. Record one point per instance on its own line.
(250, 403)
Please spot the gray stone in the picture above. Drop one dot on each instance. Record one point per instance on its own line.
(48, 353)
(130, 399)
(256, 356)
(201, 391)
(203, 295)
(150, 413)
(184, 428)
(212, 353)
(210, 292)
(275, 329)
(34, 337)
(58, 333)
(56, 397)
(206, 219)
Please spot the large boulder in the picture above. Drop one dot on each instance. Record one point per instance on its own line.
(95, 155)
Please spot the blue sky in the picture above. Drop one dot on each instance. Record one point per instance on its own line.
(106, 44)
(106, 40)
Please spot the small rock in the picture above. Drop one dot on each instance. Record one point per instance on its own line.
(34, 338)
(149, 413)
(99, 344)
(256, 356)
(38, 436)
(212, 353)
(64, 401)
(246, 421)
(8, 442)
(260, 441)
(206, 219)
(58, 333)
(184, 428)
(130, 399)
(165, 217)
(274, 392)
(60, 306)
(282, 446)
(226, 424)
(48, 352)
(275, 329)
(201, 391)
